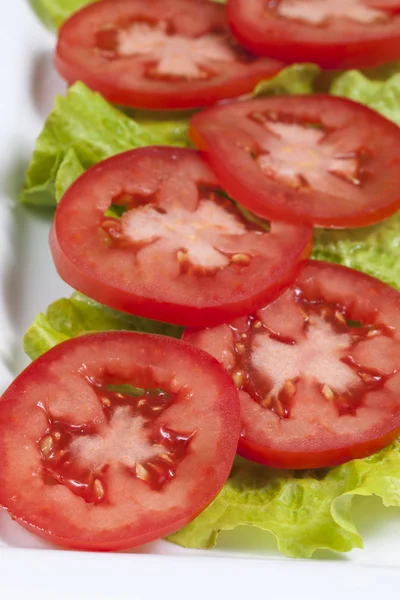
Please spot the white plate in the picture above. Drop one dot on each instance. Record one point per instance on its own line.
(246, 561)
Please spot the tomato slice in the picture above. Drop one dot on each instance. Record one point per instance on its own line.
(157, 54)
(339, 34)
(318, 369)
(116, 439)
(304, 158)
(181, 252)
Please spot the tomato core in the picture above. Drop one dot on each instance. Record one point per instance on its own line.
(344, 382)
(64, 444)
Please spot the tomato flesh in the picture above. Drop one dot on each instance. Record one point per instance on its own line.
(343, 34)
(89, 464)
(304, 158)
(181, 252)
(318, 369)
(179, 54)
(63, 441)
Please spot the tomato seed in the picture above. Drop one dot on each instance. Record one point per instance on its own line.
(266, 403)
(159, 469)
(112, 227)
(279, 409)
(289, 388)
(98, 489)
(238, 378)
(46, 445)
(373, 333)
(182, 257)
(240, 348)
(327, 392)
(340, 317)
(241, 259)
(166, 458)
(141, 472)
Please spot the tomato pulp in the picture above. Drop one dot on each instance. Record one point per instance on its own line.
(313, 159)
(318, 369)
(112, 440)
(151, 233)
(157, 54)
(339, 34)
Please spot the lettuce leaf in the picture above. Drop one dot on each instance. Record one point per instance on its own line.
(54, 12)
(305, 510)
(82, 130)
(382, 96)
(374, 250)
(69, 317)
(296, 79)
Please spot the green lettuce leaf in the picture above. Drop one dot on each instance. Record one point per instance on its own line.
(54, 12)
(69, 317)
(382, 96)
(296, 79)
(82, 130)
(374, 250)
(305, 510)
(169, 126)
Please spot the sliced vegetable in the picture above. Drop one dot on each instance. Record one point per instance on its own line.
(318, 369)
(88, 464)
(304, 158)
(155, 54)
(180, 252)
(338, 34)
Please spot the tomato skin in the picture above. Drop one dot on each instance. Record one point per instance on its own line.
(75, 244)
(53, 512)
(348, 46)
(77, 57)
(308, 460)
(369, 422)
(217, 130)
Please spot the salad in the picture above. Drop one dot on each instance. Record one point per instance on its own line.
(293, 363)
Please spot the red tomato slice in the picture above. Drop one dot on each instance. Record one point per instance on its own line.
(318, 370)
(181, 252)
(158, 54)
(336, 34)
(304, 158)
(89, 462)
